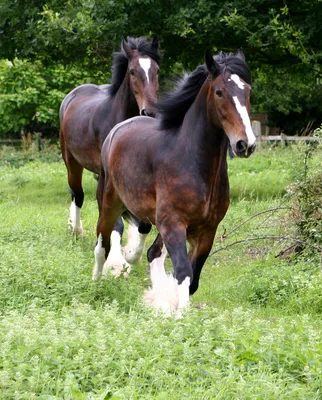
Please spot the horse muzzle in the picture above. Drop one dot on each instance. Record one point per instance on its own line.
(242, 149)
(147, 113)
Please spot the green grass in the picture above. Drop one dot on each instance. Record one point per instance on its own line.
(253, 330)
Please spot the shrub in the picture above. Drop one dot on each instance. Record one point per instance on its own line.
(30, 94)
(307, 194)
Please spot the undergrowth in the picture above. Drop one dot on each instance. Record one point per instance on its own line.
(253, 329)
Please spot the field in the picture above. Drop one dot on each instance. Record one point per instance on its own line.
(253, 330)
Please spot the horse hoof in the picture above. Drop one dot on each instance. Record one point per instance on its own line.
(166, 296)
(75, 230)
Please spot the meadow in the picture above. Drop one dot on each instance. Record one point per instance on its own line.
(253, 330)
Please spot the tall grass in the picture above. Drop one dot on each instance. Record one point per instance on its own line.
(253, 330)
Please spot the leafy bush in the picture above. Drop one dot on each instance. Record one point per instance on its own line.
(291, 103)
(307, 191)
(31, 94)
(9, 156)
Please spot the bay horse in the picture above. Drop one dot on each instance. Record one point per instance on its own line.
(90, 111)
(172, 172)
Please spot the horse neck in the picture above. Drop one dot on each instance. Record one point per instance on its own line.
(124, 103)
(204, 141)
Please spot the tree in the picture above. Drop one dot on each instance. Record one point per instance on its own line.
(31, 94)
(282, 40)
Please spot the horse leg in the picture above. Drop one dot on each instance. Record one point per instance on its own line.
(74, 173)
(160, 296)
(109, 233)
(115, 262)
(100, 190)
(175, 289)
(199, 252)
(137, 233)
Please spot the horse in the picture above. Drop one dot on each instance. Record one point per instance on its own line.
(172, 172)
(90, 111)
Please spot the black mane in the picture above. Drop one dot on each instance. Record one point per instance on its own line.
(174, 106)
(120, 61)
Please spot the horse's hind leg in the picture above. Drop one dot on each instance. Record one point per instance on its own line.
(74, 173)
(75, 184)
(137, 233)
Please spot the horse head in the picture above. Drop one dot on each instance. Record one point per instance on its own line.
(143, 76)
(229, 100)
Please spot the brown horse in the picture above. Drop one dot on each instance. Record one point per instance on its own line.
(172, 172)
(89, 112)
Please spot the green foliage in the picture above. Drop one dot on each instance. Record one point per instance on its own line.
(307, 193)
(86, 353)
(9, 156)
(83, 29)
(291, 98)
(282, 43)
(31, 94)
(292, 285)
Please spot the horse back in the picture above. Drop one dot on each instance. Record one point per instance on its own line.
(133, 135)
(78, 136)
(85, 91)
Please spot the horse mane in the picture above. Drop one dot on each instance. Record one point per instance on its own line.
(234, 65)
(173, 107)
(120, 61)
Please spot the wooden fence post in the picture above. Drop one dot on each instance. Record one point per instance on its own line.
(256, 126)
(282, 139)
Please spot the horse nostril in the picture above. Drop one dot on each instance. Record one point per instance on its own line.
(241, 146)
(143, 112)
(252, 148)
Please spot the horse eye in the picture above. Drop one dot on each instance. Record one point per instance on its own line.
(132, 72)
(219, 93)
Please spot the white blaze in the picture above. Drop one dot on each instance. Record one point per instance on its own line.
(145, 64)
(246, 121)
(238, 81)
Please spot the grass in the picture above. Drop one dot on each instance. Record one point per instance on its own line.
(253, 330)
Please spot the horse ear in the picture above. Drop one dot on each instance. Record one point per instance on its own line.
(127, 49)
(155, 43)
(240, 54)
(212, 65)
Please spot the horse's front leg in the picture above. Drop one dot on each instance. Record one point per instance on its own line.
(199, 251)
(175, 242)
(170, 292)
